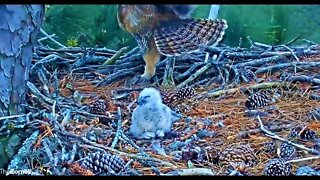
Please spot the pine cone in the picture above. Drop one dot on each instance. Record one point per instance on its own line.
(183, 108)
(191, 153)
(277, 167)
(99, 162)
(170, 99)
(211, 156)
(198, 154)
(98, 107)
(287, 150)
(237, 154)
(315, 114)
(247, 75)
(258, 99)
(270, 147)
(302, 133)
(185, 93)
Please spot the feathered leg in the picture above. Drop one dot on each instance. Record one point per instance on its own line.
(151, 57)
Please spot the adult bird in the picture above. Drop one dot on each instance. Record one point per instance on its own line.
(167, 30)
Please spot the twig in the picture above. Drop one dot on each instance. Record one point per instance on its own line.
(120, 75)
(126, 139)
(274, 136)
(302, 159)
(310, 42)
(200, 71)
(91, 115)
(301, 65)
(262, 45)
(48, 151)
(48, 59)
(119, 128)
(114, 58)
(54, 108)
(99, 51)
(66, 118)
(44, 80)
(133, 58)
(293, 54)
(131, 52)
(259, 62)
(127, 90)
(303, 78)
(266, 85)
(195, 75)
(235, 173)
(44, 38)
(64, 155)
(36, 92)
(293, 40)
(13, 116)
(130, 105)
(49, 37)
(192, 172)
(100, 147)
(256, 131)
(126, 166)
(189, 71)
(73, 153)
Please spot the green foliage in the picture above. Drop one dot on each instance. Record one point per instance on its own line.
(96, 25)
(72, 42)
(202, 11)
(270, 24)
(92, 25)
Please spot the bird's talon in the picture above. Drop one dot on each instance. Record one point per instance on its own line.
(146, 81)
(147, 135)
(160, 133)
(143, 80)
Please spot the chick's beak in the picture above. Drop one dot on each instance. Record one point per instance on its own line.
(141, 101)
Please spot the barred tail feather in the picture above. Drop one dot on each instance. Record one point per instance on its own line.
(189, 36)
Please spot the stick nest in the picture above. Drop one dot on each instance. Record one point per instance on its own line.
(78, 106)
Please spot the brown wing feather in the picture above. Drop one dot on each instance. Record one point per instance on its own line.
(189, 36)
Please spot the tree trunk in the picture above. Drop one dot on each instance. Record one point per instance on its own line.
(19, 26)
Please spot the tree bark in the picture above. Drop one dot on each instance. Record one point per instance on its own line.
(19, 27)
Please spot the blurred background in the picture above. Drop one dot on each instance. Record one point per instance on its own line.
(96, 25)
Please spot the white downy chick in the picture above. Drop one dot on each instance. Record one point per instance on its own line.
(151, 117)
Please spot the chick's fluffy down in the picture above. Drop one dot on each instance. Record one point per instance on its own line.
(151, 116)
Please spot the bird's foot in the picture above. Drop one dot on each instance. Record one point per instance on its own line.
(160, 133)
(141, 80)
(148, 135)
(137, 80)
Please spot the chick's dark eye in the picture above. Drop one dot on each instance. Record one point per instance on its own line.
(147, 96)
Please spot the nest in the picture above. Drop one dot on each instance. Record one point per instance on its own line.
(81, 99)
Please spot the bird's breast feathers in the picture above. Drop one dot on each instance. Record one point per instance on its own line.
(136, 18)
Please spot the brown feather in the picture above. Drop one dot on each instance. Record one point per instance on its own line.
(189, 36)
